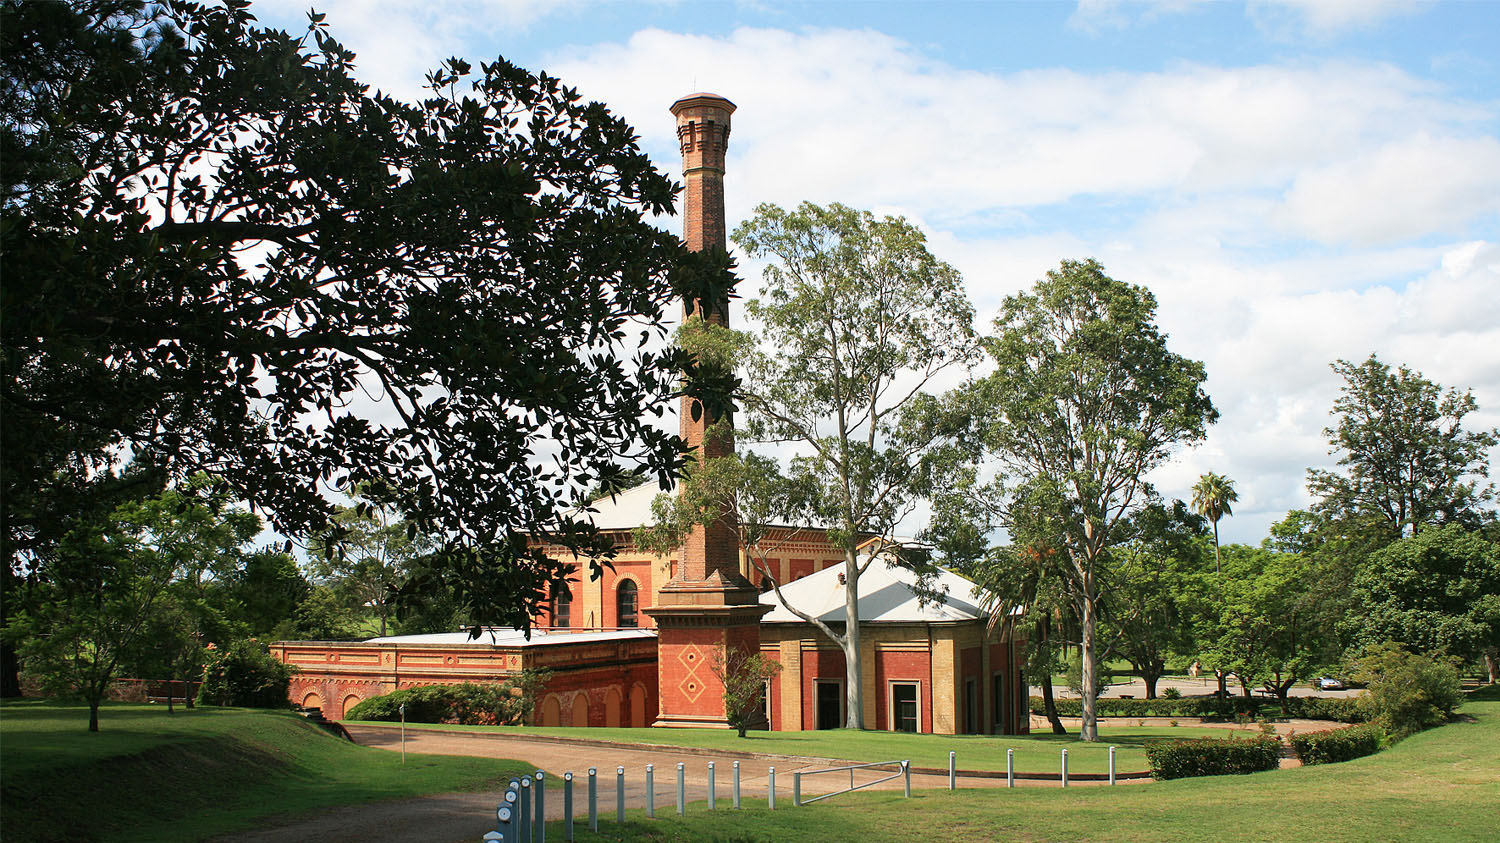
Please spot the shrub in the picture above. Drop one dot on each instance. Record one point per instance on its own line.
(245, 674)
(1336, 745)
(508, 703)
(1407, 692)
(1232, 708)
(1171, 694)
(1177, 759)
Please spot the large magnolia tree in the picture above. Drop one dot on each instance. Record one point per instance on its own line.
(224, 253)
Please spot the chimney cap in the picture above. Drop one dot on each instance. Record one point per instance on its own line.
(702, 99)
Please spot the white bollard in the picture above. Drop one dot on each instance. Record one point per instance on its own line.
(710, 785)
(620, 794)
(1010, 768)
(736, 785)
(1065, 768)
(593, 799)
(771, 788)
(650, 791)
(1111, 765)
(952, 770)
(681, 790)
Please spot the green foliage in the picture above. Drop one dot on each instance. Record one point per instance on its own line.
(322, 616)
(1409, 462)
(1436, 591)
(244, 673)
(1259, 622)
(121, 575)
(1336, 745)
(1212, 496)
(1182, 759)
(507, 703)
(1341, 710)
(1405, 692)
(744, 677)
(367, 552)
(480, 258)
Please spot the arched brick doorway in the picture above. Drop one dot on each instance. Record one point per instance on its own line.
(551, 712)
(350, 701)
(581, 710)
(612, 708)
(638, 706)
(312, 700)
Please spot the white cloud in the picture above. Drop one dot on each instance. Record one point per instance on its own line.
(397, 42)
(1318, 18)
(1327, 17)
(1403, 189)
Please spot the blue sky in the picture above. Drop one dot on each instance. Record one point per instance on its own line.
(1297, 181)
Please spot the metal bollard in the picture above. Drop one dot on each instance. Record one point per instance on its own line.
(523, 832)
(681, 791)
(650, 791)
(710, 785)
(1010, 768)
(736, 785)
(539, 816)
(952, 770)
(620, 794)
(1111, 765)
(771, 788)
(1065, 768)
(796, 790)
(906, 771)
(568, 806)
(593, 799)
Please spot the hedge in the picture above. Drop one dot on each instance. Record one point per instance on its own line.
(470, 704)
(1310, 708)
(1212, 757)
(1336, 745)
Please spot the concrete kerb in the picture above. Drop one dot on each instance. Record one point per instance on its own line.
(643, 747)
(804, 760)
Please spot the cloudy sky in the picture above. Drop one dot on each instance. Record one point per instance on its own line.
(1297, 181)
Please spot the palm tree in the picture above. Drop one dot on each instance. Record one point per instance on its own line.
(1211, 498)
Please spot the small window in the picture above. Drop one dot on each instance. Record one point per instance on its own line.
(562, 609)
(625, 605)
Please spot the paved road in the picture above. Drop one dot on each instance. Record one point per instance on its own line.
(467, 816)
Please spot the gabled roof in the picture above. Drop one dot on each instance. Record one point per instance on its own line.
(887, 594)
(626, 510)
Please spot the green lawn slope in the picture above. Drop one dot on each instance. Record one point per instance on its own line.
(152, 776)
(1441, 785)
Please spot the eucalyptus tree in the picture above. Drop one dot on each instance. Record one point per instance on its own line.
(1408, 460)
(1213, 495)
(1085, 400)
(855, 322)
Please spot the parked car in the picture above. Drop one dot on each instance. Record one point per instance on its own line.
(1328, 683)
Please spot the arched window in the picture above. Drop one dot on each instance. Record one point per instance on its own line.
(562, 609)
(625, 604)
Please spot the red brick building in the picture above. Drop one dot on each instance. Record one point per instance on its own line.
(635, 647)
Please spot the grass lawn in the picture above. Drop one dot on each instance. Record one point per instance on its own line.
(147, 775)
(1039, 752)
(1441, 785)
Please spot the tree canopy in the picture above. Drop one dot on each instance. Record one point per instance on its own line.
(225, 254)
(1085, 400)
(1408, 460)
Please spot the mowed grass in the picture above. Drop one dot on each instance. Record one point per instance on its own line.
(1441, 785)
(148, 775)
(1039, 752)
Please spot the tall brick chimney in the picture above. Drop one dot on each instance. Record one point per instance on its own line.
(708, 607)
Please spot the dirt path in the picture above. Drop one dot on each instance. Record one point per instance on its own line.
(467, 816)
